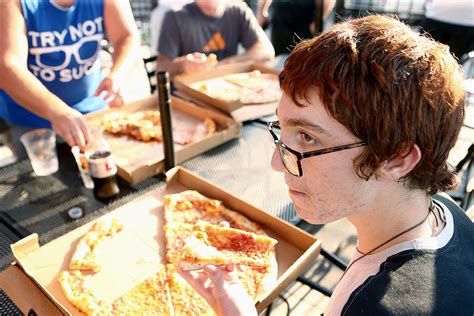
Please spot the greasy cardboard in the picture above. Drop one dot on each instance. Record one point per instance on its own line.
(137, 161)
(240, 112)
(135, 254)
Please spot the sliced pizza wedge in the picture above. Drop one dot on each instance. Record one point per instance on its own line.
(151, 297)
(84, 256)
(212, 244)
(73, 285)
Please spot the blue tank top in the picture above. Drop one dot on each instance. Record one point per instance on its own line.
(63, 53)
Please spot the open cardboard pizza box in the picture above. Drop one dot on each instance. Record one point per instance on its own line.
(136, 252)
(239, 111)
(137, 161)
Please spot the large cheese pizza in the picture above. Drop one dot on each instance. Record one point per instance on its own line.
(252, 87)
(187, 215)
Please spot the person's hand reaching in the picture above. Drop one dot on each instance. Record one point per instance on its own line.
(71, 126)
(109, 90)
(196, 62)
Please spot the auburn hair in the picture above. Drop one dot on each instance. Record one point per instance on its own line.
(391, 87)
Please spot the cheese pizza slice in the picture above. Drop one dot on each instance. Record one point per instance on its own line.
(84, 256)
(73, 285)
(212, 244)
(151, 297)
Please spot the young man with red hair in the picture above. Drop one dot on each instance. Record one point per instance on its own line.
(369, 113)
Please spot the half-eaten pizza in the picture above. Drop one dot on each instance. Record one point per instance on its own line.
(145, 126)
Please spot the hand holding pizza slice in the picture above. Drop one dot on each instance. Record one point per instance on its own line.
(215, 245)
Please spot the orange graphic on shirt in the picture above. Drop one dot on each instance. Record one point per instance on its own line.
(215, 43)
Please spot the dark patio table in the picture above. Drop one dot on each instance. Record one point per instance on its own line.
(31, 204)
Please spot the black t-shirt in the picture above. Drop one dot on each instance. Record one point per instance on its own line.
(423, 282)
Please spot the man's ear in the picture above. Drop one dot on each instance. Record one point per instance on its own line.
(399, 166)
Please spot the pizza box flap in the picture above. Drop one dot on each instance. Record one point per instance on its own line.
(136, 253)
(240, 112)
(25, 293)
(137, 161)
(21, 250)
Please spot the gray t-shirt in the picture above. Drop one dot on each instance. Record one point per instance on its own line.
(189, 30)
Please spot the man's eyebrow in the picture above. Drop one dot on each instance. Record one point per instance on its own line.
(308, 125)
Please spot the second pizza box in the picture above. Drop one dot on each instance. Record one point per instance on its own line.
(185, 83)
(137, 161)
(135, 253)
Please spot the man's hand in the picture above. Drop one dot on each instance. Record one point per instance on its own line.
(109, 90)
(71, 126)
(222, 289)
(195, 62)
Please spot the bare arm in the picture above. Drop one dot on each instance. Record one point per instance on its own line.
(262, 11)
(165, 63)
(123, 35)
(262, 51)
(184, 64)
(328, 7)
(24, 87)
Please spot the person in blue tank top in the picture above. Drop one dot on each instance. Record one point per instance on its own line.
(50, 70)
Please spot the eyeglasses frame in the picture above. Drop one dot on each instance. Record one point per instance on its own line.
(299, 155)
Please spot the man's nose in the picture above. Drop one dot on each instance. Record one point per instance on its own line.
(277, 163)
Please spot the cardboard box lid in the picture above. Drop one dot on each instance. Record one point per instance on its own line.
(137, 161)
(240, 112)
(144, 243)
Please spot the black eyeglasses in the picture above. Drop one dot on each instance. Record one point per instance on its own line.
(292, 158)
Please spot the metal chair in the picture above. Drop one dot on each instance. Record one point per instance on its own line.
(150, 67)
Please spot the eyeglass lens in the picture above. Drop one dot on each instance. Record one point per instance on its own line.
(289, 160)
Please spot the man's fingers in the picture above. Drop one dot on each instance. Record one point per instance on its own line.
(198, 280)
(78, 137)
(67, 137)
(99, 90)
(215, 274)
(85, 131)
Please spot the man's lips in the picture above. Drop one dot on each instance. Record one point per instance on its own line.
(295, 192)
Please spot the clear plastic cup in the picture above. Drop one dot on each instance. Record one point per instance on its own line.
(40, 145)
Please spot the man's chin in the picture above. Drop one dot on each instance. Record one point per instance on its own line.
(313, 216)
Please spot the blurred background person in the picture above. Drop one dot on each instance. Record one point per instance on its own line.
(50, 65)
(451, 22)
(291, 20)
(159, 9)
(210, 28)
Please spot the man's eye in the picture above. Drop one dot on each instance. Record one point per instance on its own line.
(307, 140)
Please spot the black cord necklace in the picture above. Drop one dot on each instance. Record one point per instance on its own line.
(430, 210)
